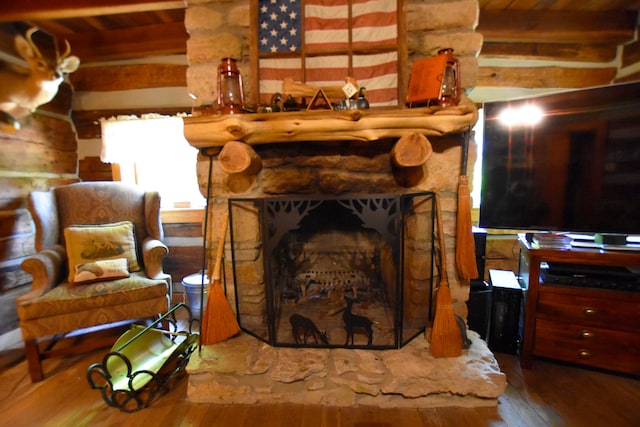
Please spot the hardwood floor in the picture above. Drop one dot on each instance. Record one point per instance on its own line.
(550, 394)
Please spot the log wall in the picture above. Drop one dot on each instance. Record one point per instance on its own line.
(42, 154)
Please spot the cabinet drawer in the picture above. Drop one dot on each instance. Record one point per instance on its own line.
(592, 346)
(589, 310)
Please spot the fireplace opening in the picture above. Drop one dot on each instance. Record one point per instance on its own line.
(351, 271)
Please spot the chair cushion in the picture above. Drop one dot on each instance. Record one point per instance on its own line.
(105, 269)
(68, 298)
(89, 243)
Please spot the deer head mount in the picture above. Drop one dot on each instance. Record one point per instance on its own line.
(20, 93)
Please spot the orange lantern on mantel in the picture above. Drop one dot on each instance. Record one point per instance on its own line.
(230, 91)
(450, 84)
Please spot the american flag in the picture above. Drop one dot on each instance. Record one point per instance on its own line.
(310, 41)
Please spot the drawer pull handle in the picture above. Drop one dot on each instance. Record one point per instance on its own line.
(590, 311)
(585, 334)
(584, 354)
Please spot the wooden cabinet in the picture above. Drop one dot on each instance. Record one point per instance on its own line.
(580, 324)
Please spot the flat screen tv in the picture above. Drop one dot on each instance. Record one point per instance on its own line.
(565, 162)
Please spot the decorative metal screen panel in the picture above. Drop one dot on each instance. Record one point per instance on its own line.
(352, 271)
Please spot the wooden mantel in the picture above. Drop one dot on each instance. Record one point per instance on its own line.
(351, 125)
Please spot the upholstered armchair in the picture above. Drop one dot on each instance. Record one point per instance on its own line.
(98, 262)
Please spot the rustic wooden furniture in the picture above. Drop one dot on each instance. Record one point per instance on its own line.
(588, 326)
(55, 306)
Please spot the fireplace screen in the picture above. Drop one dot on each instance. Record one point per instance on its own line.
(349, 271)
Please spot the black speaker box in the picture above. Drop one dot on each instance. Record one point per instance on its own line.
(479, 302)
(505, 334)
(479, 308)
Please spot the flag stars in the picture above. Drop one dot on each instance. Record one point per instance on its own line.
(278, 24)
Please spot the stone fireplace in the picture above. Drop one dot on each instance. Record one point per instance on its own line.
(334, 163)
(340, 159)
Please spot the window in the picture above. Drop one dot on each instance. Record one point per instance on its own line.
(321, 43)
(152, 153)
(478, 131)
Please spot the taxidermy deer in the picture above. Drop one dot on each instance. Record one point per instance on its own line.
(20, 93)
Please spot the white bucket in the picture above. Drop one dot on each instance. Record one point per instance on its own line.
(192, 285)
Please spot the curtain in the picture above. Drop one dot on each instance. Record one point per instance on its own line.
(129, 139)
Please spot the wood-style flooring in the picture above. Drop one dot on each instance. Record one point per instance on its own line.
(550, 394)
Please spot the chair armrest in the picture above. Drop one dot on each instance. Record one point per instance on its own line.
(47, 268)
(153, 252)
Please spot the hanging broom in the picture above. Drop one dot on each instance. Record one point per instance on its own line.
(465, 243)
(218, 320)
(446, 340)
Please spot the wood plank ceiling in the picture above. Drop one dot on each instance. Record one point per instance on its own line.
(573, 30)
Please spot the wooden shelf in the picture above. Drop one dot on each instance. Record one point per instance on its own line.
(318, 126)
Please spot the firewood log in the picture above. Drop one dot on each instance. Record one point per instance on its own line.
(301, 90)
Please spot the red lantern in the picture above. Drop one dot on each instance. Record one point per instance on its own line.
(230, 92)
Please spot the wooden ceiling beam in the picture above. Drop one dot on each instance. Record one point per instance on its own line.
(533, 26)
(134, 42)
(545, 77)
(27, 10)
(572, 52)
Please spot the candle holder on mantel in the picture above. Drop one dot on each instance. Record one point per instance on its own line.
(450, 83)
(230, 91)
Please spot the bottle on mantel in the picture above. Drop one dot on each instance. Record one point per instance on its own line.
(362, 103)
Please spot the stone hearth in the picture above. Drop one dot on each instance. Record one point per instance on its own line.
(243, 370)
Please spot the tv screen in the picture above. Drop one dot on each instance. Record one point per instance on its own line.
(566, 162)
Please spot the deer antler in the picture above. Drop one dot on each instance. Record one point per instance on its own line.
(67, 50)
(28, 37)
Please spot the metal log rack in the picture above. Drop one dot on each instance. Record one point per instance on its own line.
(144, 362)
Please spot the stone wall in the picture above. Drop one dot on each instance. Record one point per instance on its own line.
(220, 28)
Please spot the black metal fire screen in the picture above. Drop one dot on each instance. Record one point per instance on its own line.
(351, 271)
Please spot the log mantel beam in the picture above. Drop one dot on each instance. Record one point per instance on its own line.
(313, 126)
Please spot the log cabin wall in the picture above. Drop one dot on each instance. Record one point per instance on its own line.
(42, 154)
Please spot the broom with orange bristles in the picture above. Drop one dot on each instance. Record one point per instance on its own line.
(218, 320)
(446, 340)
(465, 244)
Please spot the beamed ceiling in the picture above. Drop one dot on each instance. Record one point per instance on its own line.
(100, 30)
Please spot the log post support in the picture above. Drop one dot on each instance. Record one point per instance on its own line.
(239, 158)
(411, 150)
